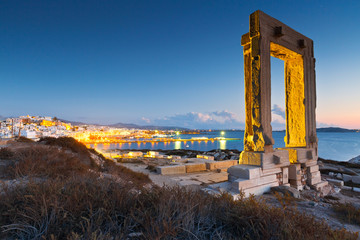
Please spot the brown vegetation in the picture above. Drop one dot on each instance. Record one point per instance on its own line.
(63, 158)
(69, 198)
(90, 208)
(347, 212)
(6, 154)
(23, 139)
(66, 143)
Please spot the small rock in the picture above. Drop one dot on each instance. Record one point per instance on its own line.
(339, 176)
(355, 179)
(355, 189)
(307, 187)
(336, 182)
(311, 203)
(286, 190)
(347, 178)
(331, 174)
(337, 190)
(135, 234)
(346, 188)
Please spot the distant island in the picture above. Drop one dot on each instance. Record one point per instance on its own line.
(335, 129)
(329, 129)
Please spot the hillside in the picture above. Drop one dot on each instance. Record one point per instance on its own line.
(58, 189)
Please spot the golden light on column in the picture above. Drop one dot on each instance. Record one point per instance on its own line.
(295, 94)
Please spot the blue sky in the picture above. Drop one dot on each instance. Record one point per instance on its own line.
(164, 62)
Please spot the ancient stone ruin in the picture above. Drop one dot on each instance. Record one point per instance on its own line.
(260, 165)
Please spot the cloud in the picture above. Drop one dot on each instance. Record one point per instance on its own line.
(147, 120)
(323, 125)
(197, 120)
(278, 118)
(216, 120)
(278, 111)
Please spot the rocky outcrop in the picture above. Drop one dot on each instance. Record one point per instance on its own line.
(355, 160)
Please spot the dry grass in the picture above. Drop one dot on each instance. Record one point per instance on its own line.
(71, 202)
(63, 158)
(43, 161)
(347, 212)
(68, 143)
(6, 154)
(126, 174)
(86, 207)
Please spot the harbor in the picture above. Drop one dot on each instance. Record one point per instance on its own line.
(162, 140)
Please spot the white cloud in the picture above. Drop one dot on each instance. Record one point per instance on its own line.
(216, 120)
(278, 111)
(278, 118)
(146, 120)
(197, 120)
(323, 125)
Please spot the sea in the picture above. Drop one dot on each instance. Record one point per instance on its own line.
(338, 146)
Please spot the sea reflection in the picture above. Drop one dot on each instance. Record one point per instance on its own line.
(195, 145)
(222, 144)
(177, 145)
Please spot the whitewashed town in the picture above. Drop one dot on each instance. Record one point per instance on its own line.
(36, 127)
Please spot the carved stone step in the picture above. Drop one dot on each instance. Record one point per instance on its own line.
(244, 171)
(250, 183)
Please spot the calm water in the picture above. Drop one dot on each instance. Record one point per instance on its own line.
(336, 146)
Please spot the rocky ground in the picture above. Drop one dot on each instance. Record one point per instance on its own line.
(343, 178)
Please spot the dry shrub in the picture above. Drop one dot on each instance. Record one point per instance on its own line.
(74, 203)
(52, 161)
(151, 167)
(286, 200)
(90, 208)
(6, 154)
(125, 173)
(66, 143)
(23, 139)
(64, 208)
(43, 161)
(347, 212)
(47, 161)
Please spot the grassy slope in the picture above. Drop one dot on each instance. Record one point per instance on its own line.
(71, 202)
